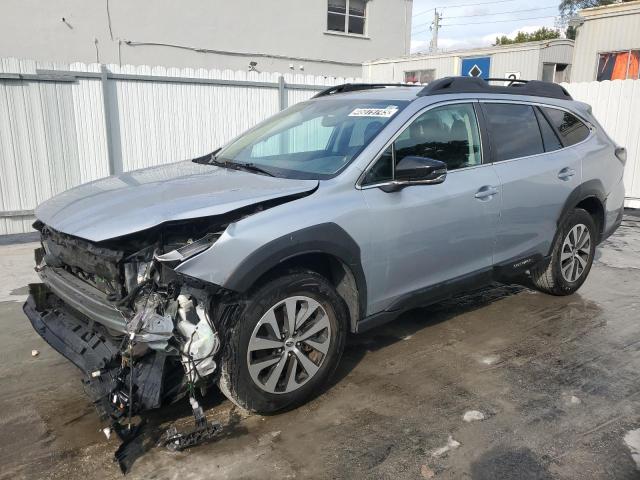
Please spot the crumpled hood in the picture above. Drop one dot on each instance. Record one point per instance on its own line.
(138, 200)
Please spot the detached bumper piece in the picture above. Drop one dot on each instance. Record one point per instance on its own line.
(117, 385)
(200, 433)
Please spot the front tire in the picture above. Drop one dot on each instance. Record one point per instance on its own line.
(285, 344)
(571, 258)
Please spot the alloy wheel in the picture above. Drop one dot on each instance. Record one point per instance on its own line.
(289, 344)
(574, 256)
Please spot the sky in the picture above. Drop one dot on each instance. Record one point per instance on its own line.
(476, 23)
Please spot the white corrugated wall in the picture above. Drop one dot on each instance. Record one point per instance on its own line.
(52, 137)
(616, 105)
(386, 71)
(53, 134)
(164, 122)
(526, 61)
(526, 58)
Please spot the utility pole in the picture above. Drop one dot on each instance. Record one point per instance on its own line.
(435, 26)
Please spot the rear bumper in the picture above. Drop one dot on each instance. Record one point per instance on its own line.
(106, 379)
(611, 230)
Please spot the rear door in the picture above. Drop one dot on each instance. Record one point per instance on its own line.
(537, 175)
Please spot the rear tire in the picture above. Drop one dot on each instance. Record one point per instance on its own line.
(295, 371)
(571, 258)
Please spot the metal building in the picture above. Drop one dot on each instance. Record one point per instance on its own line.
(543, 60)
(607, 43)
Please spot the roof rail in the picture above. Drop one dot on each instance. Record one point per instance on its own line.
(534, 88)
(510, 80)
(352, 87)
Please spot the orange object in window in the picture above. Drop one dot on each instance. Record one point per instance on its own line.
(634, 64)
(620, 67)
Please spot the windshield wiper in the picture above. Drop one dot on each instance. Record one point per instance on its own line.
(206, 159)
(249, 167)
(218, 163)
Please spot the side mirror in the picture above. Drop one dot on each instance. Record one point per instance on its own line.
(413, 170)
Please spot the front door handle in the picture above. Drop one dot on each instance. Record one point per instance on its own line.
(566, 173)
(486, 193)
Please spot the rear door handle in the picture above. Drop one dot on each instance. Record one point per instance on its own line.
(566, 173)
(486, 193)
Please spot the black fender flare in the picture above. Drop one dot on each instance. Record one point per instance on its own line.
(326, 238)
(589, 189)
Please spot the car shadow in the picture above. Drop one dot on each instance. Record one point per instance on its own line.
(413, 321)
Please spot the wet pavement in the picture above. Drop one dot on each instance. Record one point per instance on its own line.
(549, 385)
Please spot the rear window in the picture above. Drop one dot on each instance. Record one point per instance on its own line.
(571, 129)
(514, 130)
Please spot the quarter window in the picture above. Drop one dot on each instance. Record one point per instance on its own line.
(382, 170)
(514, 130)
(347, 16)
(549, 136)
(449, 134)
(571, 129)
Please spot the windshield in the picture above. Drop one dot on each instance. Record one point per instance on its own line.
(312, 140)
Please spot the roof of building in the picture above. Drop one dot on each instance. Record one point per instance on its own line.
(612, 10)
(537, 45)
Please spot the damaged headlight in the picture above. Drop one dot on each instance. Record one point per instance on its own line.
(189, 250)
(136, 273)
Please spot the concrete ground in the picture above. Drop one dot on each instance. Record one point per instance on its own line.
(554, 379)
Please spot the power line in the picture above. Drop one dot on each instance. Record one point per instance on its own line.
(464, 5)
(497, 21)
(484, 22)
(503, 13)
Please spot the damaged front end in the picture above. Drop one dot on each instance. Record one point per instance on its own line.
(142, 334)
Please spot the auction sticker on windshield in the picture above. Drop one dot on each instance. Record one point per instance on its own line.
(375, 112)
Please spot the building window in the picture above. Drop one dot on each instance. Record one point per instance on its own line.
(347, 16)
(618, 65)
(420, 76)
(556, 72)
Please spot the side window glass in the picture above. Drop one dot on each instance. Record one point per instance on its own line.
(571, 129)
(514, 130)
(449, 134)
(382, 170)
(549, 136)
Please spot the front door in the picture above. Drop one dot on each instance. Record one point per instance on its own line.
(425, 235)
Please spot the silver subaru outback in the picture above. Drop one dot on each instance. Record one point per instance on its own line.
(246, 268)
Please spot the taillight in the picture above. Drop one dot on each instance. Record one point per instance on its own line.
(621, 153)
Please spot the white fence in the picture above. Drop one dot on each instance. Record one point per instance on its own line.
(62, 125)
(616, 105)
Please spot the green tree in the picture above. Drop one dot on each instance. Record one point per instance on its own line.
(543, 33)
(568, 8)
